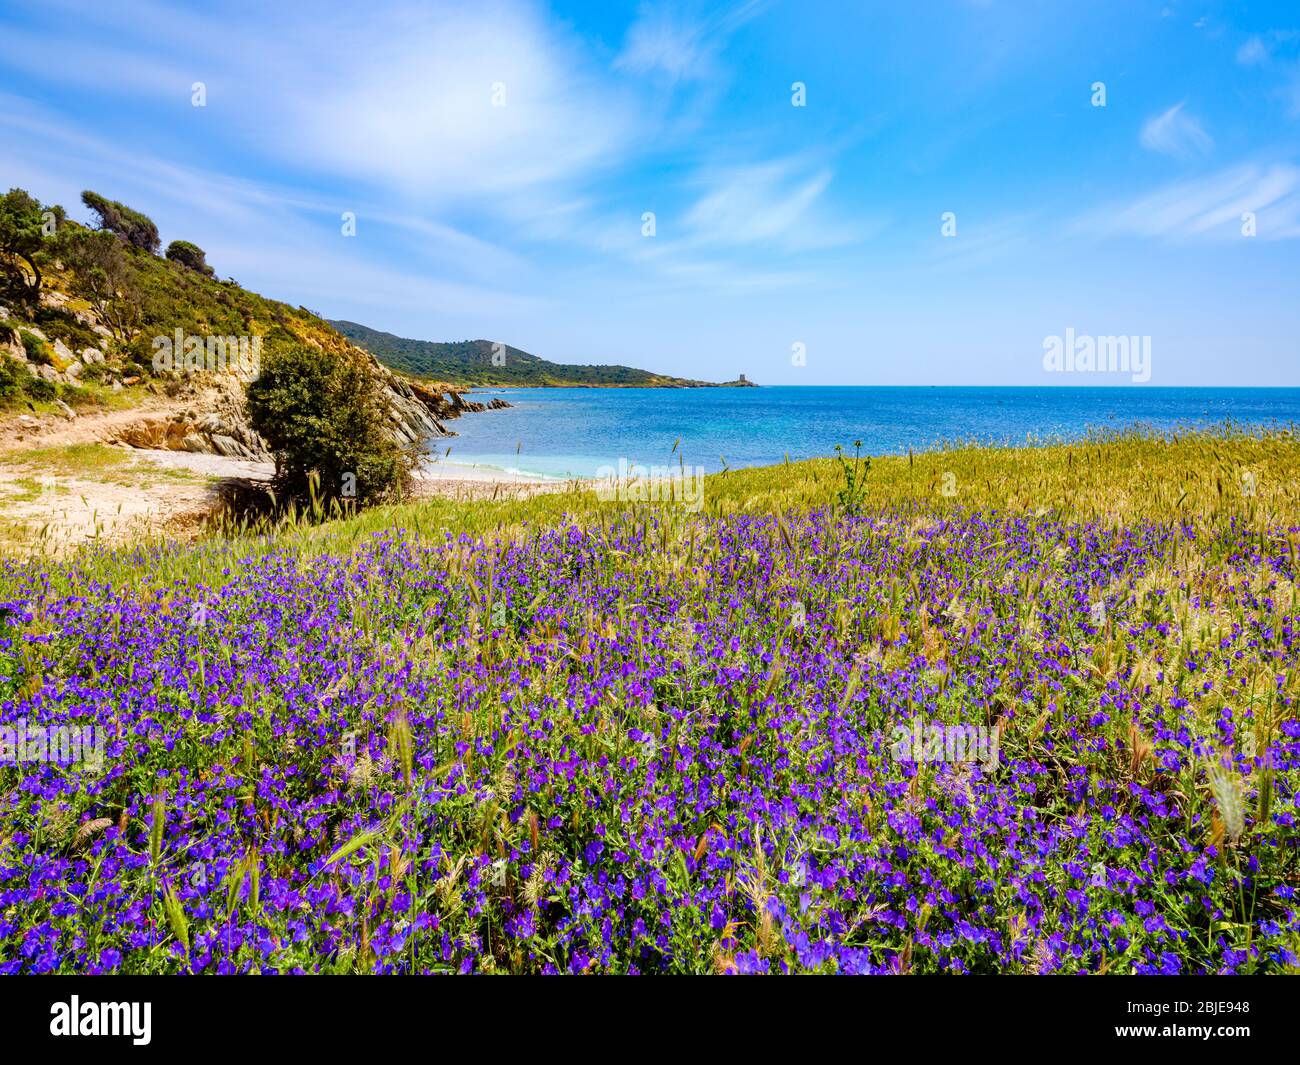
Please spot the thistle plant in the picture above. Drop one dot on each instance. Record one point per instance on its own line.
(851, 496)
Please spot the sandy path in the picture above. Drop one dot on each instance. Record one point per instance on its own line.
(44, 512)
(27, 431)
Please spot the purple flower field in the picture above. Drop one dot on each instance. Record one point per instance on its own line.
(735, 744)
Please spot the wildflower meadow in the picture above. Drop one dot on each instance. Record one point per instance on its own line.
(829, 723)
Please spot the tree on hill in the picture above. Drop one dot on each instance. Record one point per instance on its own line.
(22, 233)
(102, 275)
(132, 226)
(190, 256)
(321, 414)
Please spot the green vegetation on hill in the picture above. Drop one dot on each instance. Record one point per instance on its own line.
(484, 362)
(113, 277)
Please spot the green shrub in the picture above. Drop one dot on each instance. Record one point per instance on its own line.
(75, 395)
(37, 349)
(190, 256)
(103, 272)
(320, 412)
(11, 380)
(22, 233)
(96, 372)
(58, 323)
(40, 389)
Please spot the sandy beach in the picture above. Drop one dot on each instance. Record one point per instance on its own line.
(444, 478)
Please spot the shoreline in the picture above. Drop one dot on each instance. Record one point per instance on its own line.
(443, 471)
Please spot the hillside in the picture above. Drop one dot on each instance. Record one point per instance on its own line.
(83, 314)
(471, 363)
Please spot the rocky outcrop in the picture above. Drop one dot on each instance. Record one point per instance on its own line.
(450, 403)
(412, 416)
(418, 409)
(214, 421)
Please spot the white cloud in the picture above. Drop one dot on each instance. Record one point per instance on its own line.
(445, 104)
(397, 95)
(395, 107)
(763, 202)
(1252, 53)
(281, 241)
(660, 43)
(1209, 207)
(984, 242)
(666, 42)
(1175, 133)
(1274, 53)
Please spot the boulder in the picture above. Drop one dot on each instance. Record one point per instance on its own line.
(228, 446)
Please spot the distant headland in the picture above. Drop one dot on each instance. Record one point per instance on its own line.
(484, 363)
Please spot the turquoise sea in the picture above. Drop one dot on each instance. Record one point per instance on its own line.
(573, 432)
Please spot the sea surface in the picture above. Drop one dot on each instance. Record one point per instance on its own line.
(574, 432)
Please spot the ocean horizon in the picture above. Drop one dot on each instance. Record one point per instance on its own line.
(575, 432)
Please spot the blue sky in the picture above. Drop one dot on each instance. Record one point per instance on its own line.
(499, 158)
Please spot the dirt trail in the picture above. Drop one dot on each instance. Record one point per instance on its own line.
(28, 431)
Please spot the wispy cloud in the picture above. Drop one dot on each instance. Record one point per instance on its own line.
(438, 103)
(981, 243)
(739, 226)
(771, 202)
(1276, 54)
(1261, 48)
(1207, 208)
(669, 42)
(1175, 133)
(475, 104)
(286, 240)
(1252, 52)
